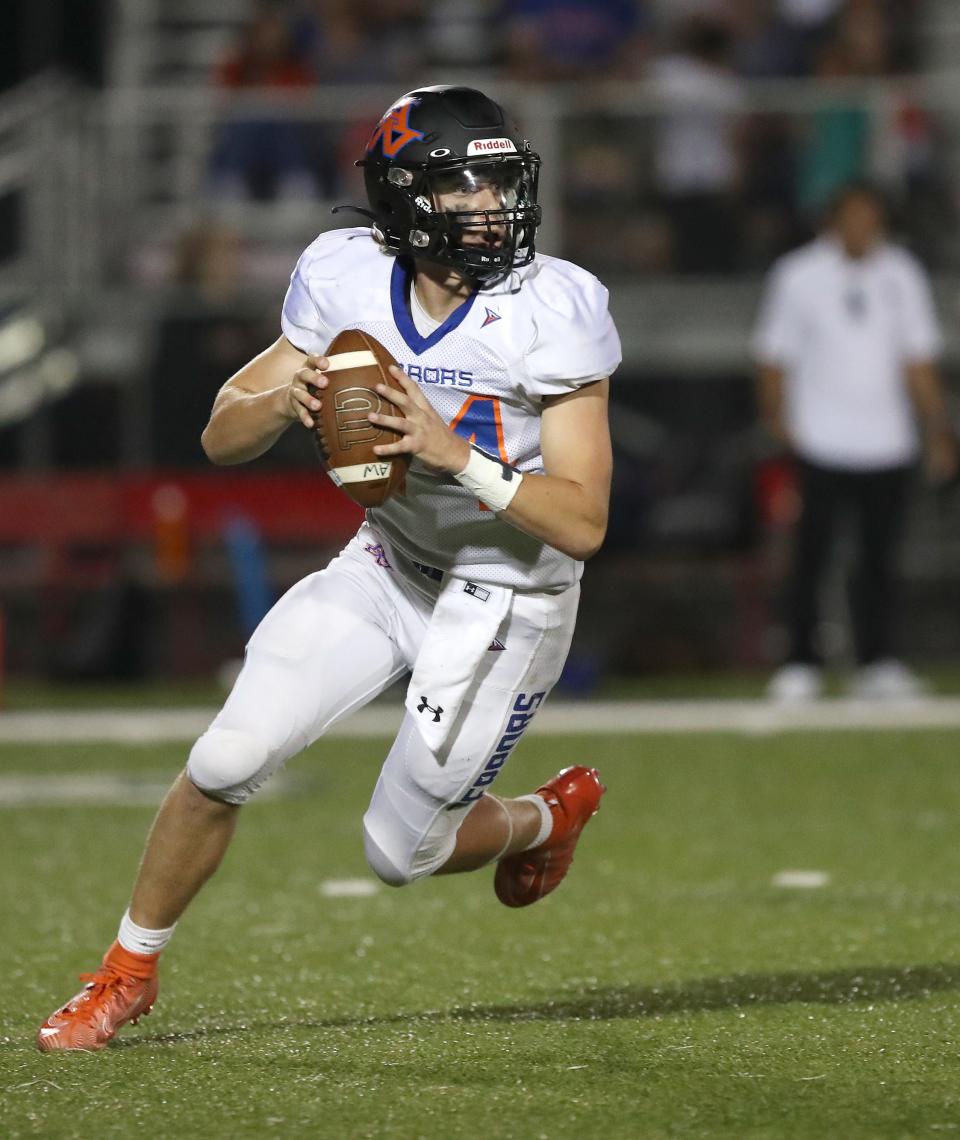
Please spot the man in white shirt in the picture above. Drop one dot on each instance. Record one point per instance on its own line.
(846, 346)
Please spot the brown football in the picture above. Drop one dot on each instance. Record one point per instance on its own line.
(344, 435)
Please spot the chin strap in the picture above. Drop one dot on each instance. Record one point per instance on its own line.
(355, 210)
(477, 274)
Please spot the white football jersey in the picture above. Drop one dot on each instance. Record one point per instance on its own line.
(486, 370)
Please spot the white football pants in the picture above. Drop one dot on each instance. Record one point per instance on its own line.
(337, 639)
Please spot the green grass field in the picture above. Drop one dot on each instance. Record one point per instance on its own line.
(669, 988)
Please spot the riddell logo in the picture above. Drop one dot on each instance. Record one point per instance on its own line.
(486, 146)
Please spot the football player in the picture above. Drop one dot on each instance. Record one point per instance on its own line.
(470, 579)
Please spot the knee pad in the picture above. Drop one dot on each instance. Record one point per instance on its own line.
(398, 857)
(380, 862)
(229, 765)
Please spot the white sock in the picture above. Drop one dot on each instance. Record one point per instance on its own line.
(546, 820)
(140, 940)
(509, 818)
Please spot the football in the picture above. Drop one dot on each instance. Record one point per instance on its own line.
(344, 435)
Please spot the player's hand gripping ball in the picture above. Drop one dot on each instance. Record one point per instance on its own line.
(344, 435)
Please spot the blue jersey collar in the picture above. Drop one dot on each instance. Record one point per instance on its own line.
(399, 292)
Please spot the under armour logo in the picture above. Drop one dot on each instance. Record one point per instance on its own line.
(424, 705)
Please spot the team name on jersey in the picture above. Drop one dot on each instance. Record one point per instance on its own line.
(453, 377)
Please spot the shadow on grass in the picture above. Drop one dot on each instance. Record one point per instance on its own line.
(737, 991)
(837, 987)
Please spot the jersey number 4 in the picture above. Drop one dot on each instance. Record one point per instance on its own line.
(479, 422)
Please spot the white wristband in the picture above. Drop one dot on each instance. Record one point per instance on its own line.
(494, 483)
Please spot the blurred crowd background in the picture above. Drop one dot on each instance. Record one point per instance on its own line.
(163, 162)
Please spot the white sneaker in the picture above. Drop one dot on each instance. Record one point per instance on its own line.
(887, 680)
(795, 684)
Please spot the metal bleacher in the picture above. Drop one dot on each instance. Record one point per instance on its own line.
(172, 42)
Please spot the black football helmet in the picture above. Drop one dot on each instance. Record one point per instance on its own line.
(427, 162)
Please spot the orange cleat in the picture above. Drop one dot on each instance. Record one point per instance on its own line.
(573, 796)
(111, 997)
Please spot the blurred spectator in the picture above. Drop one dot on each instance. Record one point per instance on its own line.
(909, 154)
(602, 224)
(461, 33)
(765, 46)
(903, 20)
(670, 15)
(810, 22)
(364, 41)
(207, 264)
(202, 338)
(809, 15)
(863, 31)
(266, 157)
(838, 135)
(877, 35)
(264, 55)
(697, 160)
(770, 224)
(357, 42)
(574, 39)
(847, 343)
(784, 37)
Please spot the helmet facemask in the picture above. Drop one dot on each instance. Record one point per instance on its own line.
(478, 216)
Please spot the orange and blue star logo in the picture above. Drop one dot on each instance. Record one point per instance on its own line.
(490, 318)
(394, 132)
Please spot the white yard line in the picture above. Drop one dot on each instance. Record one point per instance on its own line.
(149, 726)
(349, 888)
(801, 880)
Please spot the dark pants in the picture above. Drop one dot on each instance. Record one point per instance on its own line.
(874, 502)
